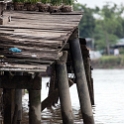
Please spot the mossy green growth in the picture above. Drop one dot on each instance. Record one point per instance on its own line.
(112, 59)
(109, 62)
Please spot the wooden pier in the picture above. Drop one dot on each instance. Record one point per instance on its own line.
(34, 44)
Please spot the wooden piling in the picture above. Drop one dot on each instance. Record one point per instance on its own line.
(89, 80)
(87, 66)
(52, 87)
(82, 87)
(52, 97)
(18, 102)
(63, 87)
(14, 121)
(7, 101)
(35, 104)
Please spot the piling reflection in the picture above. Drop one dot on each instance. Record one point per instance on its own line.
(52, 116)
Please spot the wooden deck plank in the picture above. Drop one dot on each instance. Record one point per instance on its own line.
(34, 55)
(40, 36)
(29, 43)
(23, 26)
(28, 61)
(28, 48)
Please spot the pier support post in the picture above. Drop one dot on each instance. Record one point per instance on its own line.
(9, 103)
(63, 88)
(82, 87)
(7, 94)
(35, 104)
(89, 80)
(87, 66)
(52, 87)
(52, 97)
(18, 102)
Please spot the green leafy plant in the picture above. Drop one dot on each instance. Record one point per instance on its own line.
(68, 2)
(56, 2)
(32, 1)
(45, 1)
(19, 1)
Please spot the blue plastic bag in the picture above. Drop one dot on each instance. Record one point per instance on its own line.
(15, 50)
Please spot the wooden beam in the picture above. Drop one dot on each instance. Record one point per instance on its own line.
(20, 82)
(52, 97)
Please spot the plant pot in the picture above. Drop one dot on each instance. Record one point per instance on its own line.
(53, 9)
(31, 7)
(18, 6)
(67, 8)
(43, 7)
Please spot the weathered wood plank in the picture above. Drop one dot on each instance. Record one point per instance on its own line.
(33, 55)
(10, 65)
(34, 35)
(20, 69)
(27, 41)
(47, 20)
(28, 48)
(40, 36)
(23, 26)
(28, 61)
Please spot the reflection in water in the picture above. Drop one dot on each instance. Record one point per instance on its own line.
(51, 116)
(109, 100)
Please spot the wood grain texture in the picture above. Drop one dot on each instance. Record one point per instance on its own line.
(40, 36)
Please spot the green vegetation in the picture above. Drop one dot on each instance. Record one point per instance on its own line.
(56, 2)
(87, 24)
(53, 2)
(45, 1)
(32, 1)
(105, 24)
(59, 2)
(109, 62)
(68, 2)
(19, 1)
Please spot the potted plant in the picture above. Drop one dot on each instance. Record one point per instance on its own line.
(44, 6)
(31, 5)
(18, 4)
(55, 5)
(67, 6)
